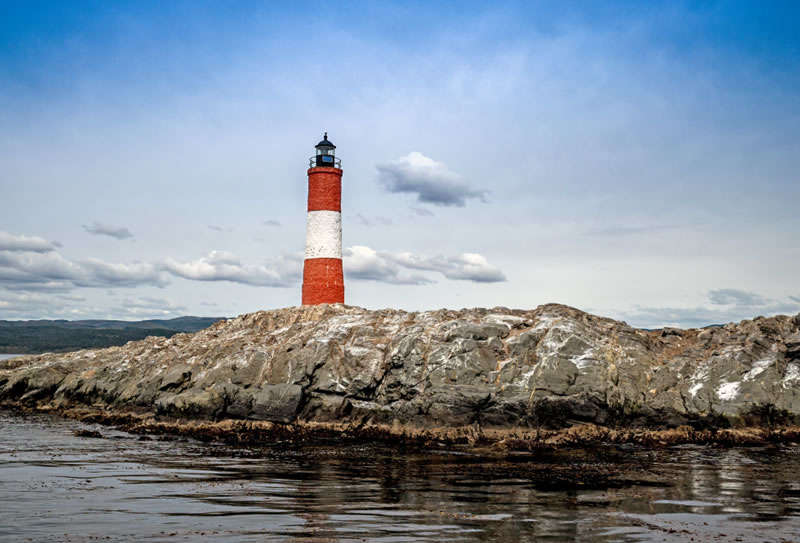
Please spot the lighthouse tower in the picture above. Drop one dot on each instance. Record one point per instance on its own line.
(323, 278)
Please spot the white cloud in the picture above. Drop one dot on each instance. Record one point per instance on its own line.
(50, 271)
(472, 267)
(100, 229)
(10, 242)
(361, 262)
(36, 268)
(364, 263)
(224, 266)
(431, 181)
(467, 267)
(32, 269)
(29, 270)
(98, 273)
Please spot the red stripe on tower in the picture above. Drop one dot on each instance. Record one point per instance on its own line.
(323, 277)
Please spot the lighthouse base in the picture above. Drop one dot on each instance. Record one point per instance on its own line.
(323, 281)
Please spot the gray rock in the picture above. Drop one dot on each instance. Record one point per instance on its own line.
(175, 377)
(276, 403)
(551, 366)
(193, 403)
(477, 331)
(793, 346)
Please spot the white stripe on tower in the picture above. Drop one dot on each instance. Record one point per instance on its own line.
(324, 234)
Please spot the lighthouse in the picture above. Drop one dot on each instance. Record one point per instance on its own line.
(323, 278)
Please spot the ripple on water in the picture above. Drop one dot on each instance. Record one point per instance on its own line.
(57, 486)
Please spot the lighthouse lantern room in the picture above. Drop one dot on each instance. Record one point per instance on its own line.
(323, 277)
(326, 154)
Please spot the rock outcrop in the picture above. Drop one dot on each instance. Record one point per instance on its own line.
(495, 368)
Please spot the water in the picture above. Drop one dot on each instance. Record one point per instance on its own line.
(55, 486)
(7, 356)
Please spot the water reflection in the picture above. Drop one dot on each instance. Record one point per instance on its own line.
(59, 487)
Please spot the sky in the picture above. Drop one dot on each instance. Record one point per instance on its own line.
(637, 160)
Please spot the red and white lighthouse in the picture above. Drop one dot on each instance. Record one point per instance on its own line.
(323, 278)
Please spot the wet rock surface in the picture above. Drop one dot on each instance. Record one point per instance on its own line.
(551, 367)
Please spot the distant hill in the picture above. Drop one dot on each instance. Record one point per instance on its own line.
(57, 336)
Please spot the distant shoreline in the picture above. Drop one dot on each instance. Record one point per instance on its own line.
(61, 336)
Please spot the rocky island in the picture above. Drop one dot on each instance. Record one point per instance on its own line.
(553, 374)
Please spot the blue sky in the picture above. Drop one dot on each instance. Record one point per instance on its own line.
(637, 160)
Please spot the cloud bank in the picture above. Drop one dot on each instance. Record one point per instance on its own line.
(37, 280)
(30, 264)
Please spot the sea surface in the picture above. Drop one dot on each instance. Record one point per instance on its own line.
(58, 486)
(7, 356)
